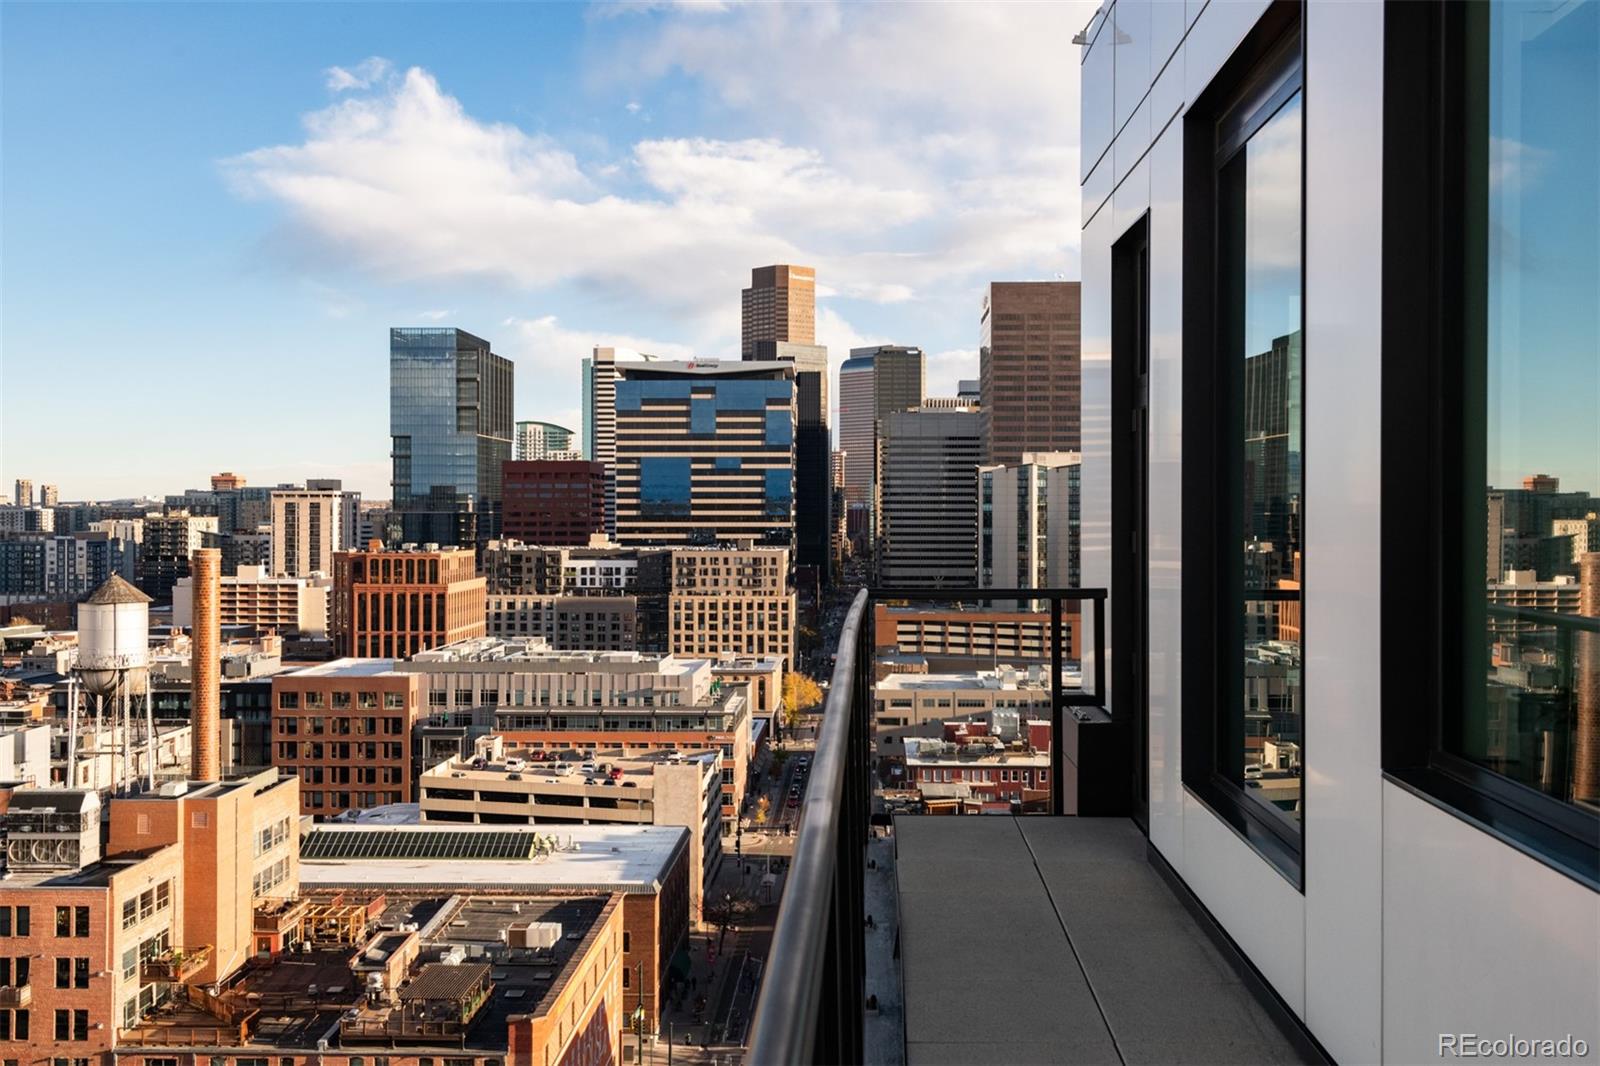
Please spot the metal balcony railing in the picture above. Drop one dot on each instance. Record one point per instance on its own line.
(813, 995)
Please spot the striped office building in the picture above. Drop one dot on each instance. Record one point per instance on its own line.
(705, 452)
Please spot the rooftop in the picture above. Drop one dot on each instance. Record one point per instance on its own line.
(1003, 679)
(628, 859)
(349, 668)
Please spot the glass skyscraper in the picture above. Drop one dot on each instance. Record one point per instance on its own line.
(450, 420)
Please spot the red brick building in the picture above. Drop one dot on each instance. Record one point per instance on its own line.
(344, 729)
(392, 604)
(553, 501)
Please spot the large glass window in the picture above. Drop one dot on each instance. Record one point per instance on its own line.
(1529, 662)
(1243, 412)
(1260, 352)
(664, 487)
(1491, 389)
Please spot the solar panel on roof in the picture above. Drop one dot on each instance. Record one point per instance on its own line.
(445, 844)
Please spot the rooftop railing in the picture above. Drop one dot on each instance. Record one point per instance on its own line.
(813, 995)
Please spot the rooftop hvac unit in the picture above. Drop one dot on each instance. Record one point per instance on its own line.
(534, 934)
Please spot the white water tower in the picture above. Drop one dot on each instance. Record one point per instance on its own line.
(114, 640)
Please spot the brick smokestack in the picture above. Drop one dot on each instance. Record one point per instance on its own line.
(1586, 682)
(205, 687)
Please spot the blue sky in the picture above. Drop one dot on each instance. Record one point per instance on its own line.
(212, 214)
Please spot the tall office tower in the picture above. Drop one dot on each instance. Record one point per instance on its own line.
(391, 604)
(169, 542)
(450, 421)
(779, 305)
(1029, 368)
(49, 495)
(600, 421)
(227, 481)
(857, 415)
(838, 508)
(872, 383)
(1028, 518)
(812, 441)
(969, 391)
(543, 440)
(554, 501)
(307, 528)
(23, 497)
(928, 498)
(705, 452)
(349, 511)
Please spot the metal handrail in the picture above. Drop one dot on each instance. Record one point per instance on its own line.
(813, 992)
(784, 1029)
(1580, 622)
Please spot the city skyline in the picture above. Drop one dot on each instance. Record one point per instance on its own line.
(200, 250)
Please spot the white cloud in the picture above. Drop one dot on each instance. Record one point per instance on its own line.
(363, 75)
(908, 152)
(548, 357)
(434, 316)
(947, 369)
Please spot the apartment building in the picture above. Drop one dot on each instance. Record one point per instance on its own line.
(534, 569)
(308, 528)
(537, 699)
(567, 623)
(252, 597)
(343, 728)
(1028, 522)
(705, 452)
(543, 440)
(393, 603)
(168, 542)
(725, 601)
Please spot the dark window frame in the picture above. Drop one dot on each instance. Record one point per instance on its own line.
(1428, 268)
(1252, 86)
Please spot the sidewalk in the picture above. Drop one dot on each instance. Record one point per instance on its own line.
(706, 978)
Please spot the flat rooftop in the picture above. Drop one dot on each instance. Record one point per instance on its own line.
(97, 874)
(592, 858)
(348, 667)
(974, 679)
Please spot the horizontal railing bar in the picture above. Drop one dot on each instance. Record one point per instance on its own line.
(1582, 622)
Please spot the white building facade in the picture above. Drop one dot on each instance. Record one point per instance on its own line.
(1299, 339)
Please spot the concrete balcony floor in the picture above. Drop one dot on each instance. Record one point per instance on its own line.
(1054, 940)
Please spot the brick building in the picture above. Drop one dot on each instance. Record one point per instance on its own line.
(647, 866)
(344, 729)
(91, 945)
(553, 501)
(390, 604)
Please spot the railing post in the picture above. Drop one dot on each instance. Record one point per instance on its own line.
(1058, 710)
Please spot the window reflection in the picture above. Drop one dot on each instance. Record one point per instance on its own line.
(1260, 187)
(1532, 659)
